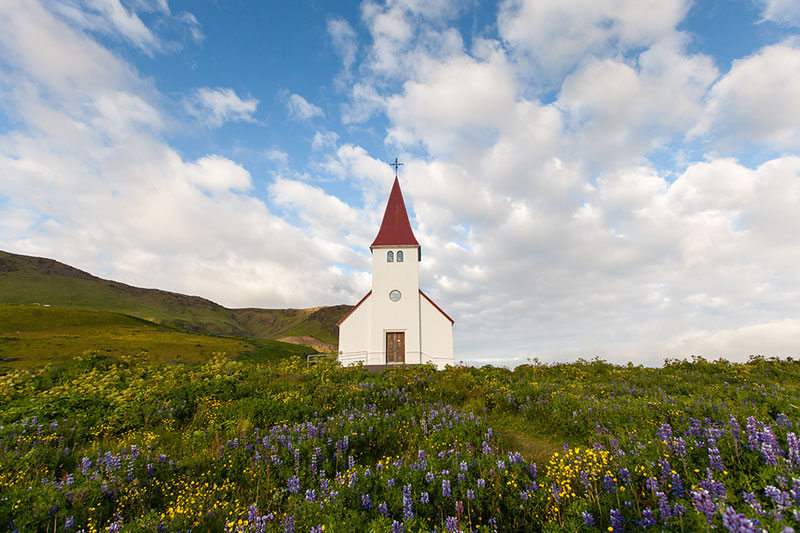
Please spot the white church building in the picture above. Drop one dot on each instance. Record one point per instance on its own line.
(396, 323)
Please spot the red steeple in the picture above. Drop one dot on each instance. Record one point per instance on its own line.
(395, 228)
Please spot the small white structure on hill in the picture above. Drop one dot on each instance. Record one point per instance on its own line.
(396, 323)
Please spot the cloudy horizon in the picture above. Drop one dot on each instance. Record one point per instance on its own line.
(617, 179)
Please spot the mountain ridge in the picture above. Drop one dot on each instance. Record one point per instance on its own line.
(29, 280)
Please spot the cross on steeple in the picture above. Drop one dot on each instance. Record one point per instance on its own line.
(396, 165)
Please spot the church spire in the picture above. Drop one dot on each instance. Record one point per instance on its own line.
(395, 228)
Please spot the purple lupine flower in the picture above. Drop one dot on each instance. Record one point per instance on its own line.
(383, 509)
(651, 484)
(703, 503)
(736, 522)
(390, 482)
(311, 495)
(695, 428)
(408, 508)
(463, 466)
(421, 456)
(481, 483)
(677, 485)
(664, 510)
(664, 433)
(793, 446)
(514, 457)
(424, 498)
(679, 447)
(293, 484)
(783, 421)
(768, 453)
(795, 490)
(752, 433)
(588, 519)
(366, 501)
(586, 480)
(69, 524)
(471, 495)
(451, 523)
(678, 510)
(752, 501)
(716, 489)
(714, 459)
(397, 527)
(446, 488)
(524, 496)
(780, 499)
(608, 483)
(86, 464)
(288, 524)
(501, 465)
(617, 520)
(648, 518)
(624, 476)
(733, 427)
(429, 477)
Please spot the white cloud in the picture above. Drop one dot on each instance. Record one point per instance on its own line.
(323, 140)
(556, 35)
(344, 41)
(458, 98)
(365, 101)
(302, 109)
(279, 156)
(216, 106)
(620, 112)
(112, 17)
(785, 12)
(756, 101)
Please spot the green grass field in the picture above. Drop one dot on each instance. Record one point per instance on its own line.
(121, 444)
(33, 336)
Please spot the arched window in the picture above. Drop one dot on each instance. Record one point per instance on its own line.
(399, 256)
(389, 256)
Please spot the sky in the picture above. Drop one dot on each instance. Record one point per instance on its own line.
(616, 179)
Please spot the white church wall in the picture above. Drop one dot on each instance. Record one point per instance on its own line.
(402, 315)
(354, 335)
(437, 335)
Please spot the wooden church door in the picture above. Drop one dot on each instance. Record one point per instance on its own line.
(395, 347)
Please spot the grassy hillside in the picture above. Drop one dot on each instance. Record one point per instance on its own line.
(28, 280)
(34, 336)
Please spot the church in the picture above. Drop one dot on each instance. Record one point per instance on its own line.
(396, 323)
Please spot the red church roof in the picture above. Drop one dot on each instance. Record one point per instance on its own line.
(395, 228)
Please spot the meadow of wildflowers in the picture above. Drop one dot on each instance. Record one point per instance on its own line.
(126, 445)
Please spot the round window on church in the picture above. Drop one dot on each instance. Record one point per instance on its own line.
(395, 295)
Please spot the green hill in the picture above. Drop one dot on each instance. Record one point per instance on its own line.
(34, 280)
(33, 336)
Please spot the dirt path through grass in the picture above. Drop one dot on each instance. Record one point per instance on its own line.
(525, 438)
